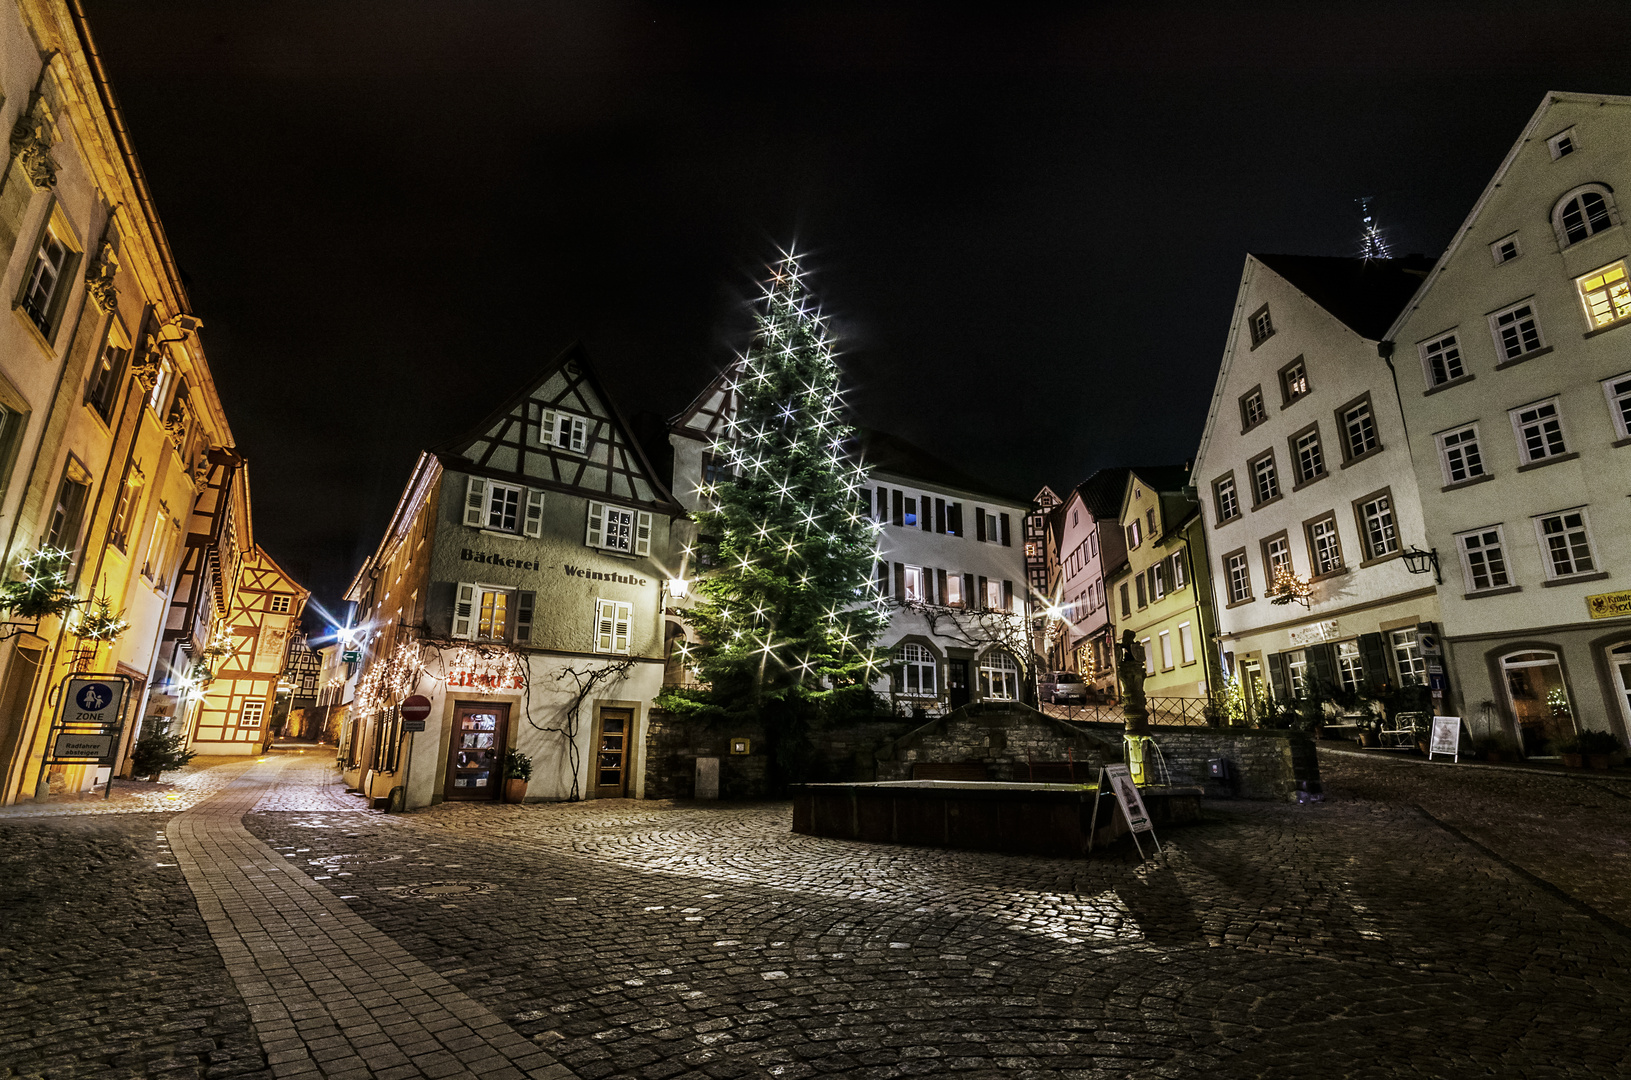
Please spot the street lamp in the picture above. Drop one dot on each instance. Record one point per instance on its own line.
(1418, 561)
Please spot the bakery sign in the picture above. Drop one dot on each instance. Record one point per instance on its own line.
(1313, 635)
(1609, 605)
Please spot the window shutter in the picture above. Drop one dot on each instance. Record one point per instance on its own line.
(546, 427)
(900, 580)
(1008, 596)
(970, 599)
(642, 533)
(1143, 594)
(883, 504)
(928, 585)
(580, 435)
(925, 519)
(979, 524)
(523, 617)
(1279, 680)
(981, 594)
(883, 578)
(597, 521)
(464, 610)
(533, 523)
(898, 504)
(866, 502)
(1126, 608)
(1322, 665)
(1007, 536)
(620, 631)
(605, 625)
(940, 580)
(1373, 653)
(475, 499)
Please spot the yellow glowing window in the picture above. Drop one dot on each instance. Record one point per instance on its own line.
(1606, 294)
(491, 624)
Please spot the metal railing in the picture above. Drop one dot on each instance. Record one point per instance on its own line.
(1169, 711)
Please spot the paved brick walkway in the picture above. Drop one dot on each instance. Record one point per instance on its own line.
(328, 994)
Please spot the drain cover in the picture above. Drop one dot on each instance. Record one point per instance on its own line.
(435, 890)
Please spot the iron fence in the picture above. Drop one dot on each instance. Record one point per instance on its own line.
(1168, 711)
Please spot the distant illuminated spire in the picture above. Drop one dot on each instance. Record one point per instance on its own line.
(1371, 244)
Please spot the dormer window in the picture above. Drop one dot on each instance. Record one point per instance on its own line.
(1562, 144)
(1262, 326)
(563, 431)
(1582, 213)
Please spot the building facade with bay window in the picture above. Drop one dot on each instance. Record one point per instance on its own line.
(1515, 379)
(519, 588)
(1306, 485)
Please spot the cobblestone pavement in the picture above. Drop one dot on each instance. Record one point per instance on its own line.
(179, 790)
(1358, 937)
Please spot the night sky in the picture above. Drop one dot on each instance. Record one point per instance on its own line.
(1028, 227)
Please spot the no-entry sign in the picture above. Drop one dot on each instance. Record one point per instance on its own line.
(416, 707)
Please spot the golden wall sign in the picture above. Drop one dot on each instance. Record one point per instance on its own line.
(1609, 605)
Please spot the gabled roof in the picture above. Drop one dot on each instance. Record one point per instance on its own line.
(710, 411)
(883, 452)
(1101, 493)
(506, 446)
(1045, 498)
(1365, 294)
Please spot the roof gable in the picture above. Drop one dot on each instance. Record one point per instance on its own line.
(509, 444)
(709, 415)
(1365, 295)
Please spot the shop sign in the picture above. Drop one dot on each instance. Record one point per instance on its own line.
(1313, 635)
(1446, 737)
(486, 681)
(489, 559)
(1609, 605)
(601, 575)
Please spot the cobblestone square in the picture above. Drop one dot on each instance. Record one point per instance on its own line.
(1423, 920)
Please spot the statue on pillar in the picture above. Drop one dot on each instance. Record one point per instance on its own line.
(1131, 672)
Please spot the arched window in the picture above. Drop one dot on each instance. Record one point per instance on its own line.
(1619, 661)
(916, 671)
(1583, 212)
(999, 676)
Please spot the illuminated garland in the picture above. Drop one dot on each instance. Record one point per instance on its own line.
(1288, 587)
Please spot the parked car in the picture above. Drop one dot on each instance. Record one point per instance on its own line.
(1063, 688)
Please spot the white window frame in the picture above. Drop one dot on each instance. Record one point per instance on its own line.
(608, 521)
(613, 622)
(1297, 672)
(1533, 318)
(1308, 451)
(1571, 551)
(1351, 416)
(1620, 304)
(1253, 410)
(252, 714)
(1322, 543)
(999, 676)
(1228, 499)
(1273, 474)
(1408, 661)
(1496, 253)
(1186, 643)
(1560, 208)
(561, 430)
(1446, 349)
(913, 579)
(993, 595)
(479, 494)
(919, 671)
(1519, 426)
(1563, 143)
(1618, 393)
(1179, 574)
(1448, 454)
(1276, 556)
(1389, 528)
(41, 311)
(1485, 546)
(1149, 656)
(1240, 585)
(1350, 665)
(1165, 637)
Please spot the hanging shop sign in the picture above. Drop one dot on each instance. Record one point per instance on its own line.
(1446, 737)
(1609, 605)
(1313, 635)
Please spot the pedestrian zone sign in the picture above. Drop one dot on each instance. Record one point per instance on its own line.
(92, 709)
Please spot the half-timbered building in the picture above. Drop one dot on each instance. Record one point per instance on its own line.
(518, 588)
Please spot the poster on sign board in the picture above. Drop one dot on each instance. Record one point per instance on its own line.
(1446, 737)
(1116, 780)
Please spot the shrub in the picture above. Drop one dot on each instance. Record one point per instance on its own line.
(1569, 744)
(1597, 742)
(517, 766)
(158, 753)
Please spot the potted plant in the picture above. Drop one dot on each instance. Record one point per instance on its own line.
(1422, 725)
(1370, 728)
(1596, 746)
(517, 771)
(158, 753)
(1568, 748)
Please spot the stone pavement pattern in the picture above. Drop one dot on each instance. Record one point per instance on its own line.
(1351, 938)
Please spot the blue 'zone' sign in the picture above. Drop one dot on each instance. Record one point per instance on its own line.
(93, 701)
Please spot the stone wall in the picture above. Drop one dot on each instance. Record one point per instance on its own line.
(1004, 737)
(1262, 764)
(845, 753)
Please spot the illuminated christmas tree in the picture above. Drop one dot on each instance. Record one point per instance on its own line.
(787, 613)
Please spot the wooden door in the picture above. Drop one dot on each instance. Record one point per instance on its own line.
(956, 683)
(612, 753)
(475, 761)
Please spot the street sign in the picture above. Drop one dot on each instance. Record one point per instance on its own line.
(79, 744)
(1427, 642)
(1437, 681)
(413, 725)
(350, 656)
(1446, 737)
(416, 708)
(93, 701)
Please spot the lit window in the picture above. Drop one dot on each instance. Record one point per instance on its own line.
(1606, 295)
(1239, 575)
(563, 431)
(1294, 381)
(1583, 213)
(1262, 326)
(1562, 144)
(1186, 642)
(612, 620)
(1380, 536)
(1178, 574)
(1308, 455)
(1441, 358)
(1228, 501)
(1276, 557)
(954, 590)
(1483, 559)
(1252, 411)
(1265, 481)
(1350, 667)
(40, 293)
(1517, 333)
(612, 528)
(252, 714)
(993, 596)
(1166, 650)
(1505, 249)
(1565, 543)
(1407, 658)
(1324, 547)
(1358, 429)
(1618, 391)
(917, 676)
(914, 584)
(1539, 428)
(490, 618)
(1459, 456)
(999, 676)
